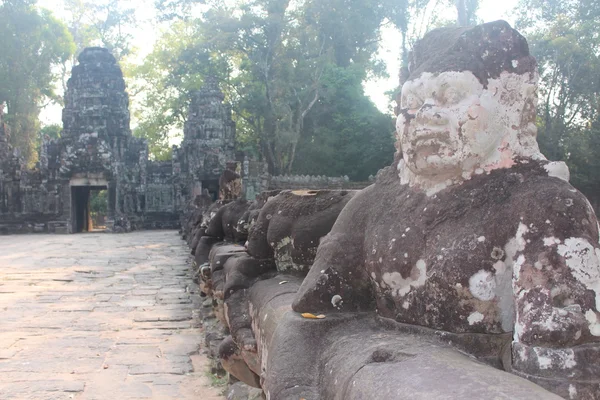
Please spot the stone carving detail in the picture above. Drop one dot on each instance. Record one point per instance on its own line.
(230, 182)
(96, 101)
(282, 232)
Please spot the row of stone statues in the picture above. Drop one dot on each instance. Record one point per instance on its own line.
(470, 243)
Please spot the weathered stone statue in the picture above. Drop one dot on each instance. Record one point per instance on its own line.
(230, 182)
(473, 231)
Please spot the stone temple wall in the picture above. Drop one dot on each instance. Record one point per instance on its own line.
(28, 202)
(97, 151)
(256, 179)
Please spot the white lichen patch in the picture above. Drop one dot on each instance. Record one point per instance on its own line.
(283, 255)
(583, 260)
(572, 392)
(481, 239)
(401, 286)
(497, 253)
(475, 317)
(555, 358)
(513, 246)
(551, 241)
(482, 285)
(593, 322)
(499, 267)
(518, 331)
(558, 169)
(336, 300)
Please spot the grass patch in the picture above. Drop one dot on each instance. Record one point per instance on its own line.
(217, 380)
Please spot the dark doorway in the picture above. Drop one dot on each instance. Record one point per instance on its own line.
(89, 205)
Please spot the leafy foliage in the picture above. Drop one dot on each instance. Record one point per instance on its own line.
(346, 135)
(563, 36)
(106, 23)
(33, 42)
(270, 57)
(177, 66)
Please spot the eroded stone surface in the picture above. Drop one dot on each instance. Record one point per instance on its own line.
(290, 226)
(99, 316)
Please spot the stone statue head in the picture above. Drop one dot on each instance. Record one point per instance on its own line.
(467, 105)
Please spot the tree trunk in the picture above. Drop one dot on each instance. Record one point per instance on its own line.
(461, 9)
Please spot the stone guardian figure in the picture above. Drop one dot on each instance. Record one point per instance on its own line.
(473, 231)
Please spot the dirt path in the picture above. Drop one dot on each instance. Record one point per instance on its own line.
(99, 316)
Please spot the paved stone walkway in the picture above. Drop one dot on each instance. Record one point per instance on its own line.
(99, 316)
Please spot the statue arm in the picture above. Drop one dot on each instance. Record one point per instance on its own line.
(556, 286)
(337, 279)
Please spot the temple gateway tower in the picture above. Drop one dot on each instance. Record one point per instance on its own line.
(209, 141)
(97, 150)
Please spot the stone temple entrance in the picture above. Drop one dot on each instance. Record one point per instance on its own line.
(81, 193)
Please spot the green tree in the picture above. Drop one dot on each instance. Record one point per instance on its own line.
(270, 56)
(177, 66)
(169, 10)
(346, 134)
(33, 42)
(106, 23)
(280, 50)
(52, 131)
(565, 40)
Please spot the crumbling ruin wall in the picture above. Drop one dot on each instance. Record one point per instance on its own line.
(28, 202)
(256, 178)
(160, 197)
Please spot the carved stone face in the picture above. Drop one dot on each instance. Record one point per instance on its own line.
(449, 123)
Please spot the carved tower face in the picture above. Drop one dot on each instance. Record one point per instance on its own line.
(451, 125)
